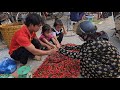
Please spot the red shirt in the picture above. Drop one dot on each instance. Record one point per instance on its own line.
(21, 38)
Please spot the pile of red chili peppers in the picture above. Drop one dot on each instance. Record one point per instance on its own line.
(58, 66)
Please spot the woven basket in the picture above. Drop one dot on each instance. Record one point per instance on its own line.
(8, 31)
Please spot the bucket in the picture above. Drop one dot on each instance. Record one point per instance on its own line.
(6, 76)
(90, 18)
(24, 72)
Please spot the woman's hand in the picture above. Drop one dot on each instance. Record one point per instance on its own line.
(53, 51)
(63, 46)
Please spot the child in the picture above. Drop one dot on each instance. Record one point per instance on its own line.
(58, 30)
(75, 17)
(46, 37)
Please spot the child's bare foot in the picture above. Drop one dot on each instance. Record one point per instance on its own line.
(21, 64)
(38, 58)
(15, 74)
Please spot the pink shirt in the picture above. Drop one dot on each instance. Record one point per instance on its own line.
(48, 38)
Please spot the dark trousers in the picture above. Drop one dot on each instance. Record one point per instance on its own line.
(60, 37)
(0, 22)
(22, 55)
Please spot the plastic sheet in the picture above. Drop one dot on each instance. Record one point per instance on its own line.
(7, 66)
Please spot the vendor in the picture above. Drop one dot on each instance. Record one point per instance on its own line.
(98, 57)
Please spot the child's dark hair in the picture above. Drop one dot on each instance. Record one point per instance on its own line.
(34, 19)
(45, 28)
(57, 22)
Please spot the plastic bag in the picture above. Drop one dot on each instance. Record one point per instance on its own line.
(7, 65)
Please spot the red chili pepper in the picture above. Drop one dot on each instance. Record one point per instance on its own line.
(58, 66)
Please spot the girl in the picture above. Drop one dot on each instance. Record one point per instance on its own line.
(58, 30)
(46, 38)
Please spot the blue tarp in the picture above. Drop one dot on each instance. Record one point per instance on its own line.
(7, 66)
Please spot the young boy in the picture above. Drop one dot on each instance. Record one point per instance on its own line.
(25, 44)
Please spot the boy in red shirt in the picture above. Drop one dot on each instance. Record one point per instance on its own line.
(25, 43)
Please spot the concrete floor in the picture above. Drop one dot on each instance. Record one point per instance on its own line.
(107, 25)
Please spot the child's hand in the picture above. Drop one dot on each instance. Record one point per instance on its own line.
(58, 46)
(63, 27)
(49, 47)
(54, 46)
